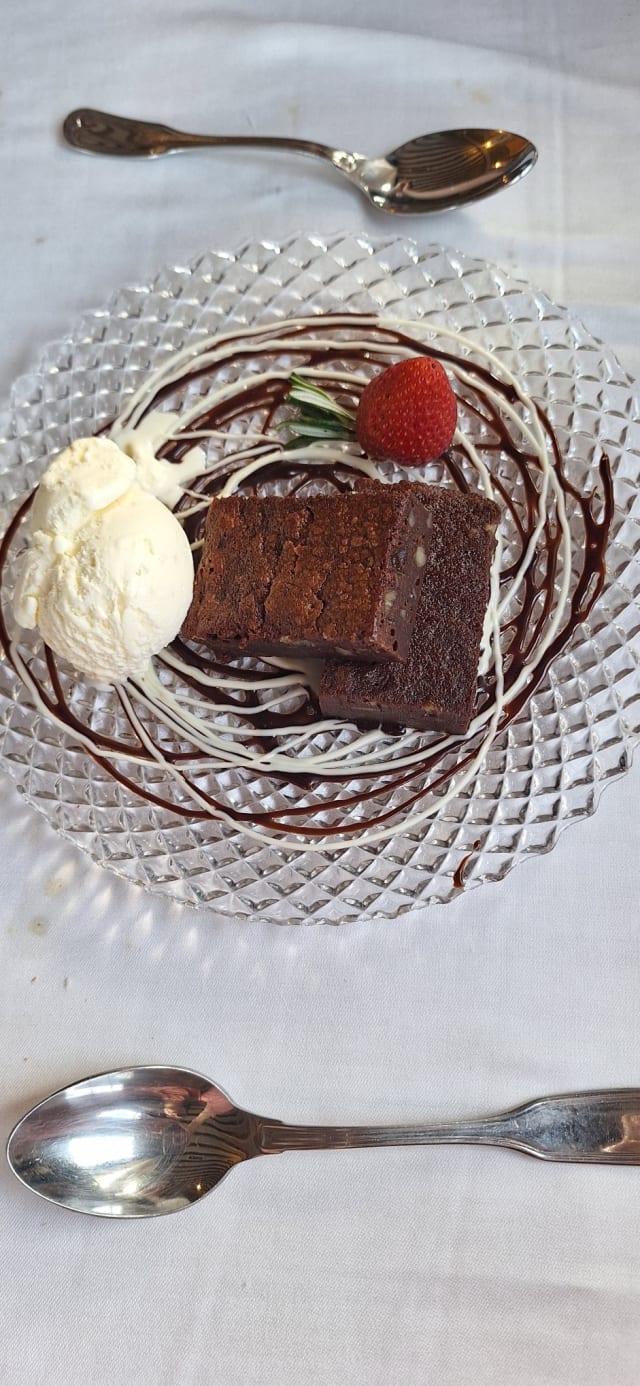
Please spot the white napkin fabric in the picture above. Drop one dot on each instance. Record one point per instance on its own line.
(373, 1268)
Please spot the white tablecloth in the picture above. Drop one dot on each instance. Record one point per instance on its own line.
(441, 1266)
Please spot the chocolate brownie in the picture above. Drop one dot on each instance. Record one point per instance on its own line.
(436, 688)
(316, 575)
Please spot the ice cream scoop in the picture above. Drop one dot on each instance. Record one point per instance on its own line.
(108, 575)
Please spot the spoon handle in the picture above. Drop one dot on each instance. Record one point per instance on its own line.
(98, 132)
(594, 1127)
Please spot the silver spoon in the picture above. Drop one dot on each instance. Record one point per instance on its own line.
(429, 174)
(145, 1141)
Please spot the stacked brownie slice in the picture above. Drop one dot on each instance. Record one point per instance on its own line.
(318, 575)
(435, 689)
(388, 584)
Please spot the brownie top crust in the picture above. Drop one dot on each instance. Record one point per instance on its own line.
(319, 575)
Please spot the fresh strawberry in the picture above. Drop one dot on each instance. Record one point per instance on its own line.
(408, 412)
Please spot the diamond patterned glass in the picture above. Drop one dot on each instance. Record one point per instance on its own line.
(579, 728)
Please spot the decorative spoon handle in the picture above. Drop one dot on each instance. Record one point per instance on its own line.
(98, 132)
(594, 1127)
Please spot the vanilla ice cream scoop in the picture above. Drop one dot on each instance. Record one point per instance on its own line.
(108, 576)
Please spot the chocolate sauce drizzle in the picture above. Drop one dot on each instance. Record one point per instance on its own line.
(293, 801)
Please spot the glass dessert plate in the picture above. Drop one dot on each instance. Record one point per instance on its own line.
(546, 769)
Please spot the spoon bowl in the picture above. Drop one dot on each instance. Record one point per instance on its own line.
(133, 1143)
(141, 1142)
(432, 173)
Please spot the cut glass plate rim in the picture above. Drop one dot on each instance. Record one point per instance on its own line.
(402, 875)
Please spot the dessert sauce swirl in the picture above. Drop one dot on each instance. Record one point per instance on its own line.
(243, 742)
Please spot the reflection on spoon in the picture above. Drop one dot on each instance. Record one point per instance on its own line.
(141, 1142)
(431, 173)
